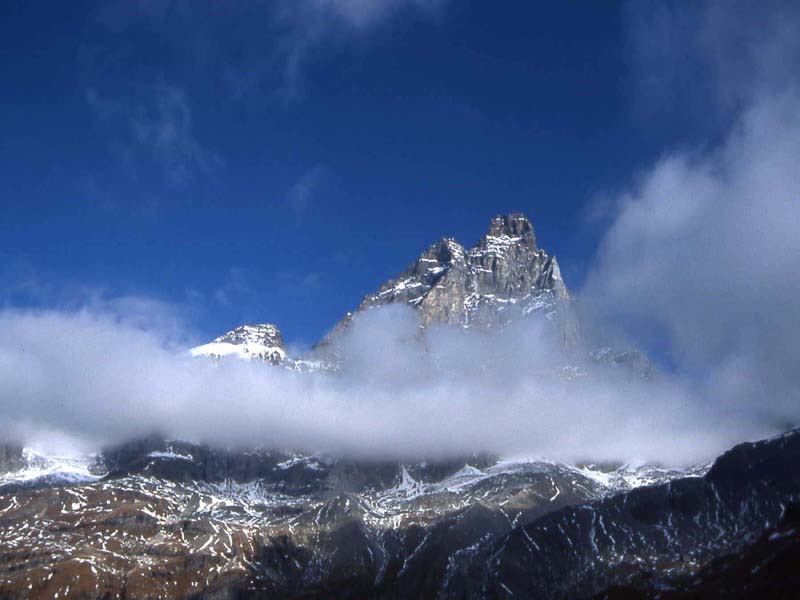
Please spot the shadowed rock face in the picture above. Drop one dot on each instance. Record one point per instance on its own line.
(502, 278)
(764, 568)
(184, 520)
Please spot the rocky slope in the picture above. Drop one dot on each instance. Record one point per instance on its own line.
(764, 568)
(183, 520)
(177, 519)
(648, 538)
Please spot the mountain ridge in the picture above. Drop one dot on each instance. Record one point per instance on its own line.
(182, 520)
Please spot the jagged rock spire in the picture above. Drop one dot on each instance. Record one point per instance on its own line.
(514, 225)
(501, 278)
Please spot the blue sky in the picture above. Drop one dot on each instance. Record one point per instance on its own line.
(275, 161)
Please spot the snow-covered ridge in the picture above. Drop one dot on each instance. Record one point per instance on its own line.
(610, 480)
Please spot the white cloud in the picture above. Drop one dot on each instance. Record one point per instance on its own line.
(359, 14)
(98, 375)
(704, 249)
(308, 25)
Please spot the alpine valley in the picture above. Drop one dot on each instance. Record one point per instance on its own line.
(160, 518)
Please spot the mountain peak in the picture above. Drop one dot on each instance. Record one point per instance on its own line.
(502, 278)
(258, 333)
(513, 225)
(260, 341)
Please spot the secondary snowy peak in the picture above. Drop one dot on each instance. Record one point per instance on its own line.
(503, 277)
(260, 342)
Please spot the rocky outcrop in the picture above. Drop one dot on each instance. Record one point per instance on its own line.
(502, 278)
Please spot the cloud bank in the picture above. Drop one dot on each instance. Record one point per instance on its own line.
(101, 377)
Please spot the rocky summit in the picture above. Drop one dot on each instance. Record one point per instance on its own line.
(505, 276)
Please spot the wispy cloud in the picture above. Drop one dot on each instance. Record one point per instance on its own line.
(301, 194)
(396, 395)
(704, 57)
(275, 39)
(308, 25)
(154, 122)
(234, 287)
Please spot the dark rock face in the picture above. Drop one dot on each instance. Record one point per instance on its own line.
(514, 225)
(289, 472)
(764, 568)
(504, 277)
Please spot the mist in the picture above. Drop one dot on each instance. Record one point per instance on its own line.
(95, 376)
